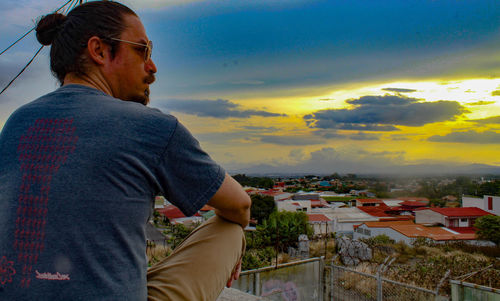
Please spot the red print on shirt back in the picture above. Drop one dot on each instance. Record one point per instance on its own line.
(42, 150)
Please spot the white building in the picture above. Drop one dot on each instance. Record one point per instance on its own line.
(488, 203)
(344, 219)
(408, 232)
(294, 205)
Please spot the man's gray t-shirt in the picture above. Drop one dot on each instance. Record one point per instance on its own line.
(78, 172)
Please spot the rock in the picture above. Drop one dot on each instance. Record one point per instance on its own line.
(352, 252)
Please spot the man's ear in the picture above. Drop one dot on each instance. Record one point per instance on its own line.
(98, 51)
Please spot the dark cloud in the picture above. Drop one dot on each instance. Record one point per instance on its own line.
(468, 137)
(481, 103)
(219, 108)
(385, 100)
(291, 140)
(399, 90)
(383, 113)
(489, 120)
(364, 136)
(328, 134)
(495, 93)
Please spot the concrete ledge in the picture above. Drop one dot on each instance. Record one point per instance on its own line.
(231, 294)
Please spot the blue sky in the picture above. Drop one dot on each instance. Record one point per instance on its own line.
(285, 83)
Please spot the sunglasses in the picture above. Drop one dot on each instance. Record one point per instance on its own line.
(148, 47)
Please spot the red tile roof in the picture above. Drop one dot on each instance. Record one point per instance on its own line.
(207, 208)
(377, 201)
(414, 230)
(386, 224)
(461, 211)
(318, 218)
(378, 211)
(412, 198)
(463, 230)
(170, 211)
(318, 203)
(413, 204)
(272, 192)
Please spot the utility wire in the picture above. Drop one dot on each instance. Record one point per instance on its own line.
(29, 31)
(17, 40)
(71, 6)
(40, 49)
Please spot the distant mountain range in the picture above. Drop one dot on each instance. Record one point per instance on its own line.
(406, 170)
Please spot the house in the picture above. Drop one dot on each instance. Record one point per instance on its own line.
(321, 203)
(449, 198)
(321, 223)
(488, 203)
(414, 198)
(407, 208)
(277, 195)
(305, 196)
(412, 205)
(408, 232)
(294, 206)
(368, 202)
(364, 193)
(160, 202)
(463, 217)
(175, 216)
(344, 219)
(384, 212)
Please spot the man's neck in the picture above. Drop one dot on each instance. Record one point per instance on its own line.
(89, 81)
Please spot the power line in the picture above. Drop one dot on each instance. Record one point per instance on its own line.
(17, 40)
(29, 31)
(40, 49)
(71, 6)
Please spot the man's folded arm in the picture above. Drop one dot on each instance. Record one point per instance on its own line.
(231, 202)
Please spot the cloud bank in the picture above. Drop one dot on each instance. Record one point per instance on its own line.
(485, 137)
(219, 108)
(384, 113)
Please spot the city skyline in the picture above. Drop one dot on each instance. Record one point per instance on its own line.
(310, 86)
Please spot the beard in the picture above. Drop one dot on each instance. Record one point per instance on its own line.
(144, 98)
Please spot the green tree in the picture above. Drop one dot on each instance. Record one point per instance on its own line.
(284, 228)
(489, 188)
(261, 182)
(489, 228)
(262, 207)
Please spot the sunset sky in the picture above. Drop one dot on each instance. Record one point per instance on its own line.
(309, 86)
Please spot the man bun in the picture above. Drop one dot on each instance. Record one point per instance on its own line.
(48, 27)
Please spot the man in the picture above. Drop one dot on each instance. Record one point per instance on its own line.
(79, 168)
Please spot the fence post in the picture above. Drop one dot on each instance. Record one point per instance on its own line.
(442, 281)
(322, 278)
(379, 279)
(332, 272)
(256, 284)
(379, 285)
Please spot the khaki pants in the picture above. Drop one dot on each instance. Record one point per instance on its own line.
(200, 266)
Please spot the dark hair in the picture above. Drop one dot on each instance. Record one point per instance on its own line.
(69, 34)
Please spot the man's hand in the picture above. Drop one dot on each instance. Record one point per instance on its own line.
(235, 274)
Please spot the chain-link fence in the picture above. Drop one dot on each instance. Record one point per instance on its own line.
(300, 280)
(349, 284)
(461, 290)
